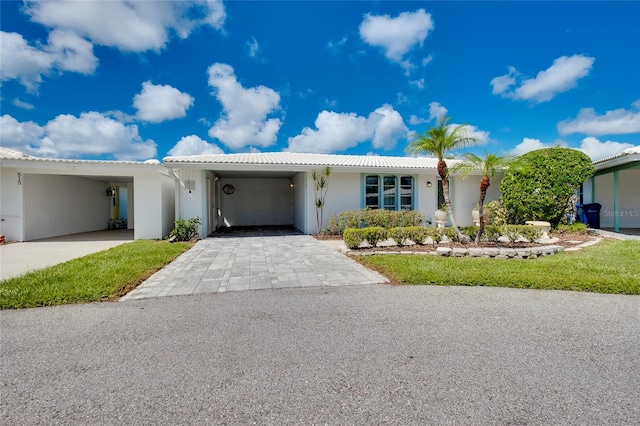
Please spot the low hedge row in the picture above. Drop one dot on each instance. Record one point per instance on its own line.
(353, 237)
(367, 218)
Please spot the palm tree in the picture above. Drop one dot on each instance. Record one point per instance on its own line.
(488, 166)
(438, 141)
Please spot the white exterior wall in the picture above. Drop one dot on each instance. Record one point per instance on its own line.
(344, 194)
(426, 198)
(299, 201)
(465, 194)
(11, 205)
(190, 204)
(61, 205)
(148, 207)
(257, 201)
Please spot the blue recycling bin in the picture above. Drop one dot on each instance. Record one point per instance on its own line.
(589, 214)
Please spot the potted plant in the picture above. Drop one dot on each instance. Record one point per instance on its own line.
(441, 213)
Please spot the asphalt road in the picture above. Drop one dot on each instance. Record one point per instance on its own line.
(346, 355)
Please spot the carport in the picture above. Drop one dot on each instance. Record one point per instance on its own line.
(44, 197)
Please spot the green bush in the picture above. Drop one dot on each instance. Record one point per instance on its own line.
(185, 230)
(578, 227)
(353, 237)
(511, 232)
(418, 234)
(449, 232)
(399, 234)
(491, 233)
(543, 188)
(531, 233)
(373, 217)
(470, 231)
(374, 234)
(498, 214)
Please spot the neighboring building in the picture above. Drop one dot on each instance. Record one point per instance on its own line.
(615, 186)
(45, 197)
(278, 188)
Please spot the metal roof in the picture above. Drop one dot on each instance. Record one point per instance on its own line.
(288, 159)
(628, 151)
(9, 154)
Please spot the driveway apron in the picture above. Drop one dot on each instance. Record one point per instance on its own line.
(252, 262)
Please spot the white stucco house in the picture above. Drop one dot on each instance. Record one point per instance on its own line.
(278, 188)
(43, 197)
(616, 187)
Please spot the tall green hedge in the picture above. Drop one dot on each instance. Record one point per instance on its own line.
(542, 190)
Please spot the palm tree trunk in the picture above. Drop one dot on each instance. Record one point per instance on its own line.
(484, 184)
(447, 201)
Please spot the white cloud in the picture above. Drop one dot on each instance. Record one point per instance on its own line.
(398, 35)
(64, 52)
(20, 61)
(337, 45)
(71, 52)
(436, 110)
(244, 119)
(418, 84)
(561, 76)
(616, 122)
(597, 150)
(24, 105)
(427, 60)
(156, 103)
(253, 47)
(129, 26)
(194, 145)
(482, 137)
(19, 135)
(415, 120)
(67, 136)
(340, 131)
(502, 83)
(529, 144)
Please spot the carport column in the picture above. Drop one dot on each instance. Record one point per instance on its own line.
(616, 184)
(147, 191)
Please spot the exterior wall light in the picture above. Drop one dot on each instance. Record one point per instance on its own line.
(429, 184)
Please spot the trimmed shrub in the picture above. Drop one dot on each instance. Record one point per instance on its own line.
(399, 234)
(373, 217)
(580, 228)
(352, 237)
(491, 233)
(470, 231)
(185, 230)
(418, 234)
(374, 234)
(449, 232)
(531, 233)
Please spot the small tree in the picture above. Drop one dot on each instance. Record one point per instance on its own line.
(320, 186)
(439, 140)
(488, 166)
(544, 190)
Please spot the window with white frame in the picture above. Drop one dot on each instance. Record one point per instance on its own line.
(388, 192)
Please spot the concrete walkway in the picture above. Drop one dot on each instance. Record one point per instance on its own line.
(19, 258)
(253, 262)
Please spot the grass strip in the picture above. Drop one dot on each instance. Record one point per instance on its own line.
(105, 275)
(608, 267)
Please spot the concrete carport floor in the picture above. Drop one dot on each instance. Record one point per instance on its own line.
(253, 259)
(19, 258)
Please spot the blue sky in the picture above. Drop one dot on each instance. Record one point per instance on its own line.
(139, 80)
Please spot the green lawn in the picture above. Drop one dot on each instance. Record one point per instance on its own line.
(105, 275)
(608, 267)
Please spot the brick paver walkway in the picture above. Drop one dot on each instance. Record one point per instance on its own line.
(253, 262)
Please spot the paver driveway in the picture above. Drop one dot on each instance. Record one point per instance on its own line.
(255, 260)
